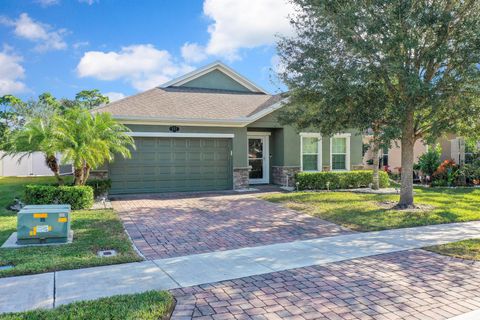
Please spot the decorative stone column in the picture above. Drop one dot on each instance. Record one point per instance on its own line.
(284, 176)
(240, 178)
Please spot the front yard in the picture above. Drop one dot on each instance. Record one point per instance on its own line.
(367, 212)
(93, 230)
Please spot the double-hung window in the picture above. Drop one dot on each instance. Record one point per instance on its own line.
(340, 152)
(311, 157)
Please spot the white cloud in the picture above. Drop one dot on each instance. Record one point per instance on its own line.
(40, 33)
(193, 52)
(89, 2)
(11, 73)
(47, 3)
(143, 66)
(245, 24)
(114, 96)
(80, 44)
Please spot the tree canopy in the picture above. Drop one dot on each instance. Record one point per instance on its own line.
(65, 128)
(90, 140)
(412, 64)
(90, 99)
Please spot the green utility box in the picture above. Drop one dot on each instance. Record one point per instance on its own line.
(43, 224)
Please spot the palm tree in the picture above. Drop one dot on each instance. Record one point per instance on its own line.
(38, 135)
(91, 140)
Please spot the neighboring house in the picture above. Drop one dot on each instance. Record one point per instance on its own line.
(453, 147)
(213, 129)
(29, 165)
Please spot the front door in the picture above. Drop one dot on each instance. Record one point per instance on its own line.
(258, 158)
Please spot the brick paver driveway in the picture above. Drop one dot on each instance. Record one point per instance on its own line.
(165, 226)
(406, 285)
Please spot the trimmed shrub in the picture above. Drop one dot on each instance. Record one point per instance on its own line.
(78, 197)
(100, 186)
(339, 180)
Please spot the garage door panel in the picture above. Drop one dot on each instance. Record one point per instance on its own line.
(174, 164)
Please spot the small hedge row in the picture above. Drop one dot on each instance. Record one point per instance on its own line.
(339, 180)
(78, 197)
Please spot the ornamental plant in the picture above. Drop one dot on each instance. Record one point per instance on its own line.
(447, 172)
(429, 162)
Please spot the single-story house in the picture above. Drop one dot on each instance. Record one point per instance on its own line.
(213, 129)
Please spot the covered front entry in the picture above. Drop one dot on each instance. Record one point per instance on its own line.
(174, 164)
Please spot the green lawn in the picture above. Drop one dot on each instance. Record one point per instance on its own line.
(93, 230)
(151, 305)
(468, 249)
(361, 212)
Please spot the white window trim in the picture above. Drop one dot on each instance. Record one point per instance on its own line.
(347, 155)
(180, 135)
(319, 153)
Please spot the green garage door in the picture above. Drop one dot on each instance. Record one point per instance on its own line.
(172, 165)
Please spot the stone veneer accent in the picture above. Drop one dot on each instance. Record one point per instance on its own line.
(240, 178)
(280, 173)
(99, 174)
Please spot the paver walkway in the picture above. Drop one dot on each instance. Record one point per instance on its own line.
(166, 226)
(53, 289)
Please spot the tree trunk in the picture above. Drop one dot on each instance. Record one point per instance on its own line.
(86, 173)
(376, 164)
(407, 144)
(52, 163)
(78, 173)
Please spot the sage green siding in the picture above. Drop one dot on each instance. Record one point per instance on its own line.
(269, 121)
(287, 145)
(356, 145)
(174, 165)
(215, 80)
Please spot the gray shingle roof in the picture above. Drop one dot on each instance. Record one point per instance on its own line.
(190, 103)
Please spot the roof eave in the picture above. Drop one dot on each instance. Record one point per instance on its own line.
(181, 121)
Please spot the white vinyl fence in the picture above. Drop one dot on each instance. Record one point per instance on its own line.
(30, 165)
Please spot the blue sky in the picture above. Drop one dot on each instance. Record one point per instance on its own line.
(122, 46)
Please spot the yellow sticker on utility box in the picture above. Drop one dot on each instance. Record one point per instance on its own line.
(40, 215)
(64, 219)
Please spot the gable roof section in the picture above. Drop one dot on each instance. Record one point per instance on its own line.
(215, 79)
(180, 102)
(189, 78)
(177, 105)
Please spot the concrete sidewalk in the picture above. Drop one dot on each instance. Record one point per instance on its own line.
(53, 289)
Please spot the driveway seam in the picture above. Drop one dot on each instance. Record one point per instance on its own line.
(168, 274)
